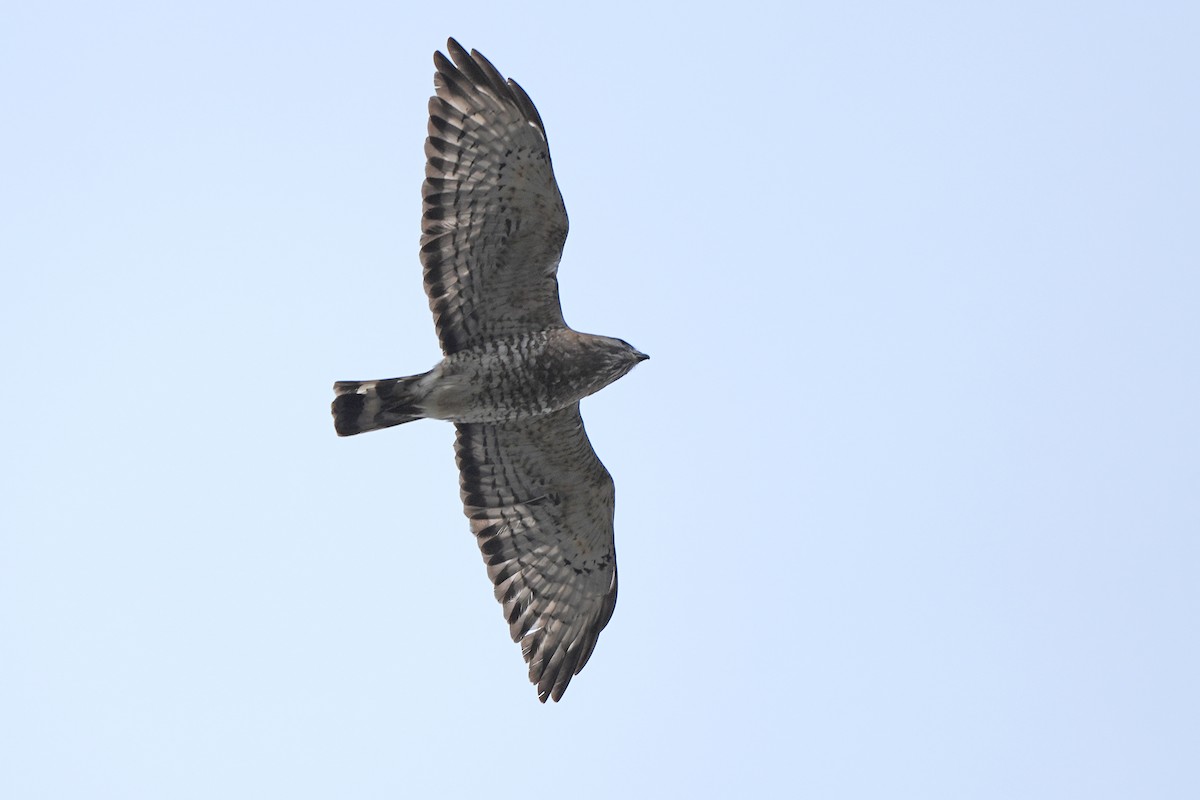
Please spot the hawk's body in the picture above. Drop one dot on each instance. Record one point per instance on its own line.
(539, 501)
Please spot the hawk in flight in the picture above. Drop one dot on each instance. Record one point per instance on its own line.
(539, 500)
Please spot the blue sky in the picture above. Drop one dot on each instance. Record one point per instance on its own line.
(907, 496)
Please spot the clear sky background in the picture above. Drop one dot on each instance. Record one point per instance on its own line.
(908, 495)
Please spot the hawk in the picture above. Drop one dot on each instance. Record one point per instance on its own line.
(539, 501)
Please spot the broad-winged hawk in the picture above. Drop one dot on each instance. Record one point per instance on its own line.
(539, 500)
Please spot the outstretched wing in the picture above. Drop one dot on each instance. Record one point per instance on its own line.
(541, 506)
(494, 223)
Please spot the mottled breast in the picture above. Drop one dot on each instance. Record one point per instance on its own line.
(515, 377)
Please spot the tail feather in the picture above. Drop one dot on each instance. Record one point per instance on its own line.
(362, 406)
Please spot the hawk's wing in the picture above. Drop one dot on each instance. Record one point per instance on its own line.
(541, 505)
(494, 223)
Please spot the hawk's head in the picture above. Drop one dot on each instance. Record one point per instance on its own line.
(617, 356)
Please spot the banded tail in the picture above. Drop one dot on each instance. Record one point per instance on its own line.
(362, 406)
